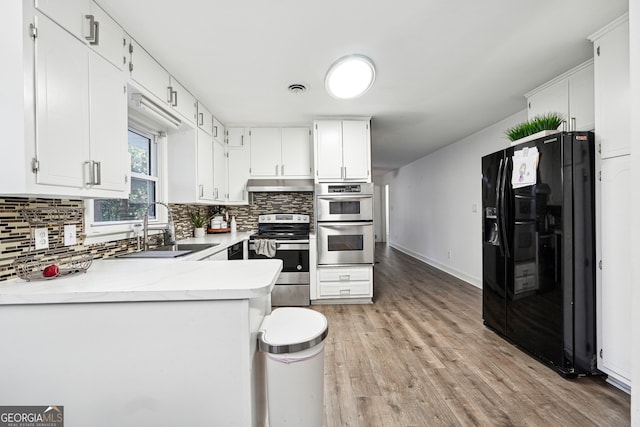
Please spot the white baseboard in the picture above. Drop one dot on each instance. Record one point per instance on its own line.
(452, 271)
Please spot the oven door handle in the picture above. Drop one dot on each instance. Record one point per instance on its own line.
(345, 224)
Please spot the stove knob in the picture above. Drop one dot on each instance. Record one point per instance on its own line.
(299, 267)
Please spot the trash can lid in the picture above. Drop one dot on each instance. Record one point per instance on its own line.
(292, 329)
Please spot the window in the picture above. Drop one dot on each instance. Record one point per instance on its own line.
(144, 179)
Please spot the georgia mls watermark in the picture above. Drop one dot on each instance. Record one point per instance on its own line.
(31, 416)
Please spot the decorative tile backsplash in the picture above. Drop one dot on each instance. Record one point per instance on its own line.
(15, 238)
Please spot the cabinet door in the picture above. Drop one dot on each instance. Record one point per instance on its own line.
(238, 164)
(70, 14)
(204, 119)
(356, 150)
(296, 152)
(581, 103)
(612, 91)
(109, 40)
(148, 73)
(205, 166)
(182, 101)
(108, 123)
(218, 131)
(237, 137)
(265, 152)
(62, 110)
(616, 285)
(553, 99)
(328, 150)
(219, 173)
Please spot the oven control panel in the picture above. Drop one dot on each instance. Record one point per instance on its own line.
(283, 219)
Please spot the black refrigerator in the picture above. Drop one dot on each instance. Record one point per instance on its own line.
(538, 249)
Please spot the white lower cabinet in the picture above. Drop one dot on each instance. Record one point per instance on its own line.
(614, 286)
(345, 283)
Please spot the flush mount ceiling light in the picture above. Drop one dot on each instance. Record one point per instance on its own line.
(350, 76)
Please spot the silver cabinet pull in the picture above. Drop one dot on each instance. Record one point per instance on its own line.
(242, 140)
(97, 175)
(201, 120)
(282, 170)
(96, 39)
(215, 131)
(276, 170)
(201, 191)
(93, 30)
(169, 94)
(175, 98)
(573, 124)
(91, 172)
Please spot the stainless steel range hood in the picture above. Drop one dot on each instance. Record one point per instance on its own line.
(279, 185)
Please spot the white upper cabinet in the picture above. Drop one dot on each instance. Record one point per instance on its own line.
(190, 166)
(218, 131)
(69, 14)
(238, 164)
(265, 152)
(182, 101)
(611, 53)
(205, 119)
(219, 172)
(90, 24)
(147, 72)
(296, 152)
(280, 152)
(570, 94)
(76, 86)
(342, 150)
(204, 153)
(237, 137)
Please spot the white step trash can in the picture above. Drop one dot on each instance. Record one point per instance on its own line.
(293, 339)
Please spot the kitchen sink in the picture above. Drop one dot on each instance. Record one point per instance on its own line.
(170, 251)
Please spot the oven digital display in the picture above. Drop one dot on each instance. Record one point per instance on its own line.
(344, 208)
(351, 188)
(345, 242)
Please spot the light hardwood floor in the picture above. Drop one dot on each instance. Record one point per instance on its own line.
(420, 356)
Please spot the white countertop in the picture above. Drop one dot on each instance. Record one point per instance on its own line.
(181, 279)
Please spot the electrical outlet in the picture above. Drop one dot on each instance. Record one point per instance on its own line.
(70, 235)
(41, 238)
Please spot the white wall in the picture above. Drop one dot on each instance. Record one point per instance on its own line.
(634, 62)
(432, 200)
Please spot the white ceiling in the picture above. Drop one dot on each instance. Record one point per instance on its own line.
(445, 68)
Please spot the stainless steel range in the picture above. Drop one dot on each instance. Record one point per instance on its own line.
(285, 237)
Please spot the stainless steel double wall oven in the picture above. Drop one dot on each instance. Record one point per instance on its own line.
(345, 223)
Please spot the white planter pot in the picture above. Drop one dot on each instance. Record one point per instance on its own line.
(198, 232)
(534, 136)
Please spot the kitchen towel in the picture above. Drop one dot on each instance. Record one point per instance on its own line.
(265, 247)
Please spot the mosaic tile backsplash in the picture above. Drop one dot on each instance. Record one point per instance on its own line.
(15, 237)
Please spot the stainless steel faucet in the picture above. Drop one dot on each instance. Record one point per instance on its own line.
(169, 235)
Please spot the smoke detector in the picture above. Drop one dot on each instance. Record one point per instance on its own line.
(297, 88)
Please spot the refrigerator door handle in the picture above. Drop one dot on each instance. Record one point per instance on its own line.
(502, 219)
(498, 207)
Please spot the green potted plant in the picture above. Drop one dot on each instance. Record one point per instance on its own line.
(540, 125)
(199, 222)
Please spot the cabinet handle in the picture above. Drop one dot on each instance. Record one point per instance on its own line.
(97, 175)
(573, 124)
(344, 277)
(175, 98)
(282, 170)
(201, 121)
(169, 94)
(242, 141)
(91, 172)
(93, 30)
(276, 170)
(96, 40)
(201, 191)
(215, 131)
